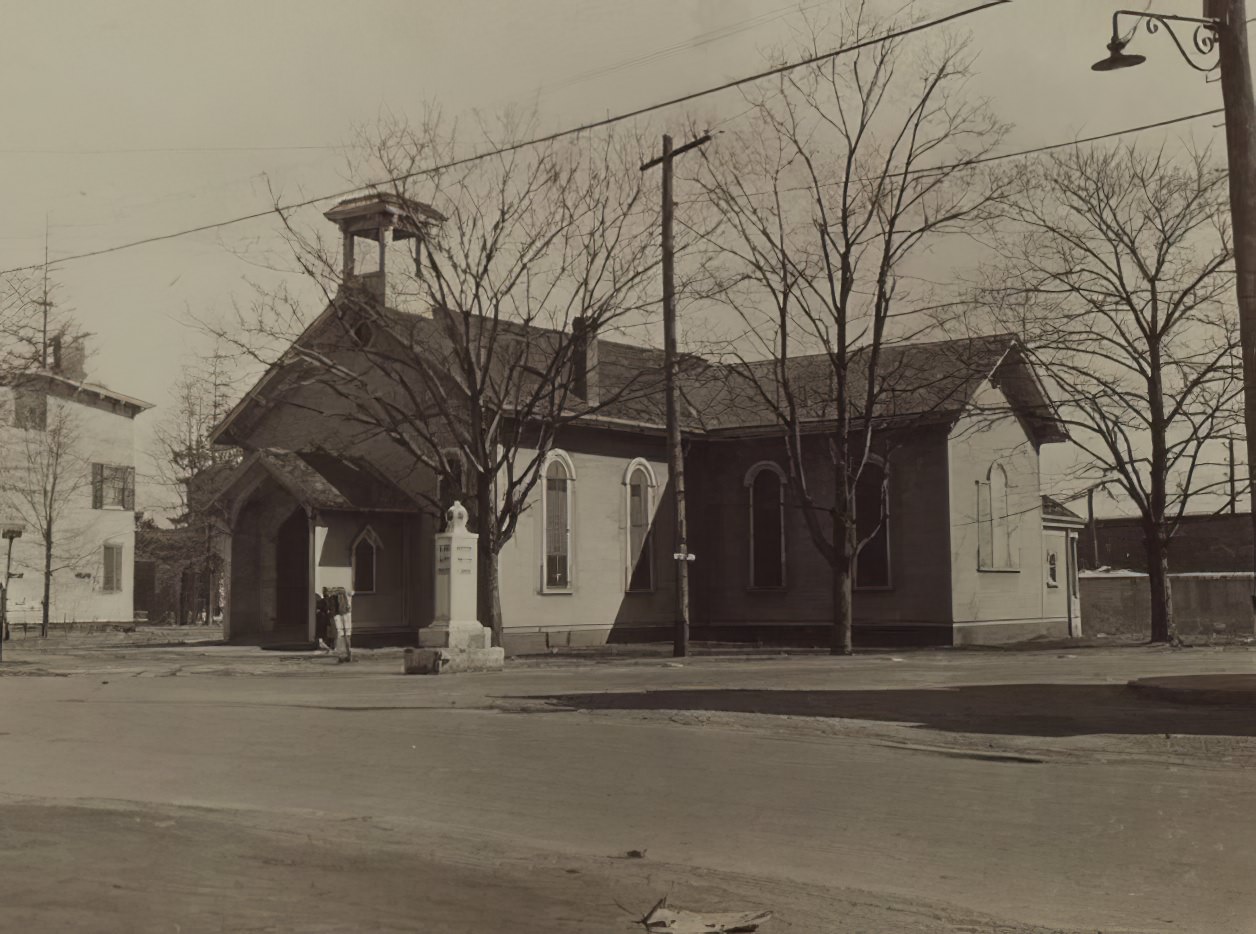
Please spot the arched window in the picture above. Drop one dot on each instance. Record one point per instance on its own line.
(766, 483)
(872, 527)
(363, 558)
(451, 483)
(640, 483)
(556, 505)
(995, 551)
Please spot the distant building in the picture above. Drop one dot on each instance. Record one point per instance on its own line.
(1203, 544)
(970, 551)
(94, 532)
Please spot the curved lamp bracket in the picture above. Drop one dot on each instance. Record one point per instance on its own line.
(1196, 52)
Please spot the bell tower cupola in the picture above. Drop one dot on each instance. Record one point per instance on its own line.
(383, 218)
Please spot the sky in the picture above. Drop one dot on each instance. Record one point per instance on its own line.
(137, 118)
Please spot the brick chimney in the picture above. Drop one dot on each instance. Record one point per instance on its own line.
(584, 360)
(68, 356)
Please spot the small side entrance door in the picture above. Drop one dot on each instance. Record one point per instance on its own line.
(292, 576)
(1074, 590)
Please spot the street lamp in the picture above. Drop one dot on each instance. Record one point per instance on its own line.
(1203, 40)
(9, 532)
(1222, 29)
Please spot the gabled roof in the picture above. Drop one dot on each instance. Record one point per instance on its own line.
(933, 382)
(929, 382)
(320, 482)
(1055, 511)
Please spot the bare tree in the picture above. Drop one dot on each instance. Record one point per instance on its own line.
(1114, 273)
(847, 168)
(201, 399)
(523, 260)
(45, 484)
(185, 458)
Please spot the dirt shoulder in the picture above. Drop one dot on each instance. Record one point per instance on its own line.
(147, 869)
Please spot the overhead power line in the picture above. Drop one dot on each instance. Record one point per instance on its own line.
(998, 157)
(535, 141)
(133, 150)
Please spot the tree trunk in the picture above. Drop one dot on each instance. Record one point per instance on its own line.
(43, 622)
(488, 592)
(843, 598)
(1163, 628)
(491, 604)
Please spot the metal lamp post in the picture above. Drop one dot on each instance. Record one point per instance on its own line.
(1223, 30)
(10, 533)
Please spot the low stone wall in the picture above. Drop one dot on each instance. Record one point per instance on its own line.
(1203, 604)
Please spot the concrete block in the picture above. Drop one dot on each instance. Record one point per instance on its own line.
(446, 661)
(425, 661)
(458, 636)
(488, 659)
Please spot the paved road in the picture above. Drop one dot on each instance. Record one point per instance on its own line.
(939, 793)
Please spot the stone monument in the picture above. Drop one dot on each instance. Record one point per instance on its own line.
(455, 641)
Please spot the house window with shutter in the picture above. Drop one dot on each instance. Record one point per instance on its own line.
(113, 487)
(556, 523)
(111, 575)
(30, 410)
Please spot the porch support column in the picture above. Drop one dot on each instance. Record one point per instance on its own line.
(313, 549)
(222, 545)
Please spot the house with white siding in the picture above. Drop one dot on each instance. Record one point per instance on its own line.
(68, 460)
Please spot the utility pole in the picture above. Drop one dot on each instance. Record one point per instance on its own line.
(1094, 529)
(1240, 144)
(45, 304)
(675, 443)
(1234, 489)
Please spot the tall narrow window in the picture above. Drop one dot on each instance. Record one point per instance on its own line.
(640, 540)
(365, 549)
(111, 576)
(767, 527)
(995, 547)
(872, 527)
(1001, 519)
(558, 525)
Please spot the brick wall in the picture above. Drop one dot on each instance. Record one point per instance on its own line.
(1204, 605)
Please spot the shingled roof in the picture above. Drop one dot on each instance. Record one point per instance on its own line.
(320, 481)
(913, 383)
(930, 382)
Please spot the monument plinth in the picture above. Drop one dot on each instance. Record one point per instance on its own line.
(455, 641)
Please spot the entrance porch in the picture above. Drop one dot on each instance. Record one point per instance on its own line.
(302, 522)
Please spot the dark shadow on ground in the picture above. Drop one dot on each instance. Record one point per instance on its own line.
(1005, 709)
